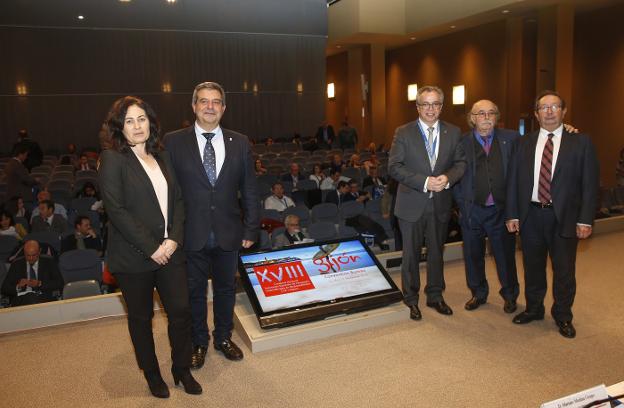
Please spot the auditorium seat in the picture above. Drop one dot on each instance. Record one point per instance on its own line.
(50, 238)
(344, 231)
(322, 230)
(325, 212)
(351, 209)
(8, 245)
(80, 264)
(84, 288)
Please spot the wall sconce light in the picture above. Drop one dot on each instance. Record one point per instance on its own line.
(21, 89)
(412, 92)
(459, 95)
(331, 90)
(245, 86)
(166, 87)
(254, 89)
(299, 87)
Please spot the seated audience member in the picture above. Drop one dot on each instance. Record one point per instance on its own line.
(354, 193)
(310, 144)
(84, 237)
(260, 170)
(378, 183)
(88, 191)
(32, 279)
(268, 141)
(339, 194)
(372, 161)
(317, 175)
(331, 182)
(47, 220)
(294, 176)
(278, 201)
(297, 139)
(44, 195)
(16, 208)
(337, 164)
(9, 228)
(372, 148)
(83, 163)
(292, 235)
(361, 223)
(354, 161)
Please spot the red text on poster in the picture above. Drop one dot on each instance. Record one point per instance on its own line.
(282, 278)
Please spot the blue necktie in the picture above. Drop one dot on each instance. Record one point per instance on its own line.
(210, 162)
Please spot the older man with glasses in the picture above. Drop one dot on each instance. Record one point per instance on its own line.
(551, 201)
(480, 196)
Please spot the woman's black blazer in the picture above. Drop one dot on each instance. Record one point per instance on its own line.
(136, 224)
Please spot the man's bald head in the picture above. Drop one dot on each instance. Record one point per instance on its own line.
(483, 116)
(31, 251)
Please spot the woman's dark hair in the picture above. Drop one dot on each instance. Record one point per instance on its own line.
(115, 123)
(5, 213)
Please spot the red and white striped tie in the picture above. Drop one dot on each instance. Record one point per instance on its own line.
(545, 175)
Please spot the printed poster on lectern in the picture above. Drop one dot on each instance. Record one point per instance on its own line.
(296, 277)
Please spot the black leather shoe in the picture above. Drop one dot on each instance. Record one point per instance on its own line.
(510, 306)
(441, 307)
(229, 350)
(415, 312)
(474, 303)
(566, 329)
(156, 384)
(527, 317)
(198, 357)
(184, 375)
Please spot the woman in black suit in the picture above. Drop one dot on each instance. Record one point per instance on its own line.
(146, 213)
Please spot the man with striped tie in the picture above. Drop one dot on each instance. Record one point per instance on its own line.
(551, 201)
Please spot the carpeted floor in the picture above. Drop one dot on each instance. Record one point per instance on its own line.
(471, 359)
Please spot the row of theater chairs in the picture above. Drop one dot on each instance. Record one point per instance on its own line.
(9, 244)
(81, 269)
(318, 231)
(329, 212)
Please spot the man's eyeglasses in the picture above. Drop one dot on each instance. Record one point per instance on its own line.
(484, 114)
(553, 108)
(434, 105)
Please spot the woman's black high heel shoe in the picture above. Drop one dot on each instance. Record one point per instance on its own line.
(184, 375)
(156, 384)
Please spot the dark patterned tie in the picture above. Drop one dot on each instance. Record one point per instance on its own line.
(545, 176)
(210, 162)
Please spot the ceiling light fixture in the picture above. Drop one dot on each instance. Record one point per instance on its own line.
(412, 38)
(339, 46)
(171, 1)
(505, 11)
(453, 26)
(81, 17)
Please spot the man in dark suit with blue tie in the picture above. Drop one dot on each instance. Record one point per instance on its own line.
(480, 196)
(214, 166)
(426, 158)
(551, 200)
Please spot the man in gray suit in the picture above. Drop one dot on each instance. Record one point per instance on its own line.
(19, 181)
(426, 158)
(47, 220)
